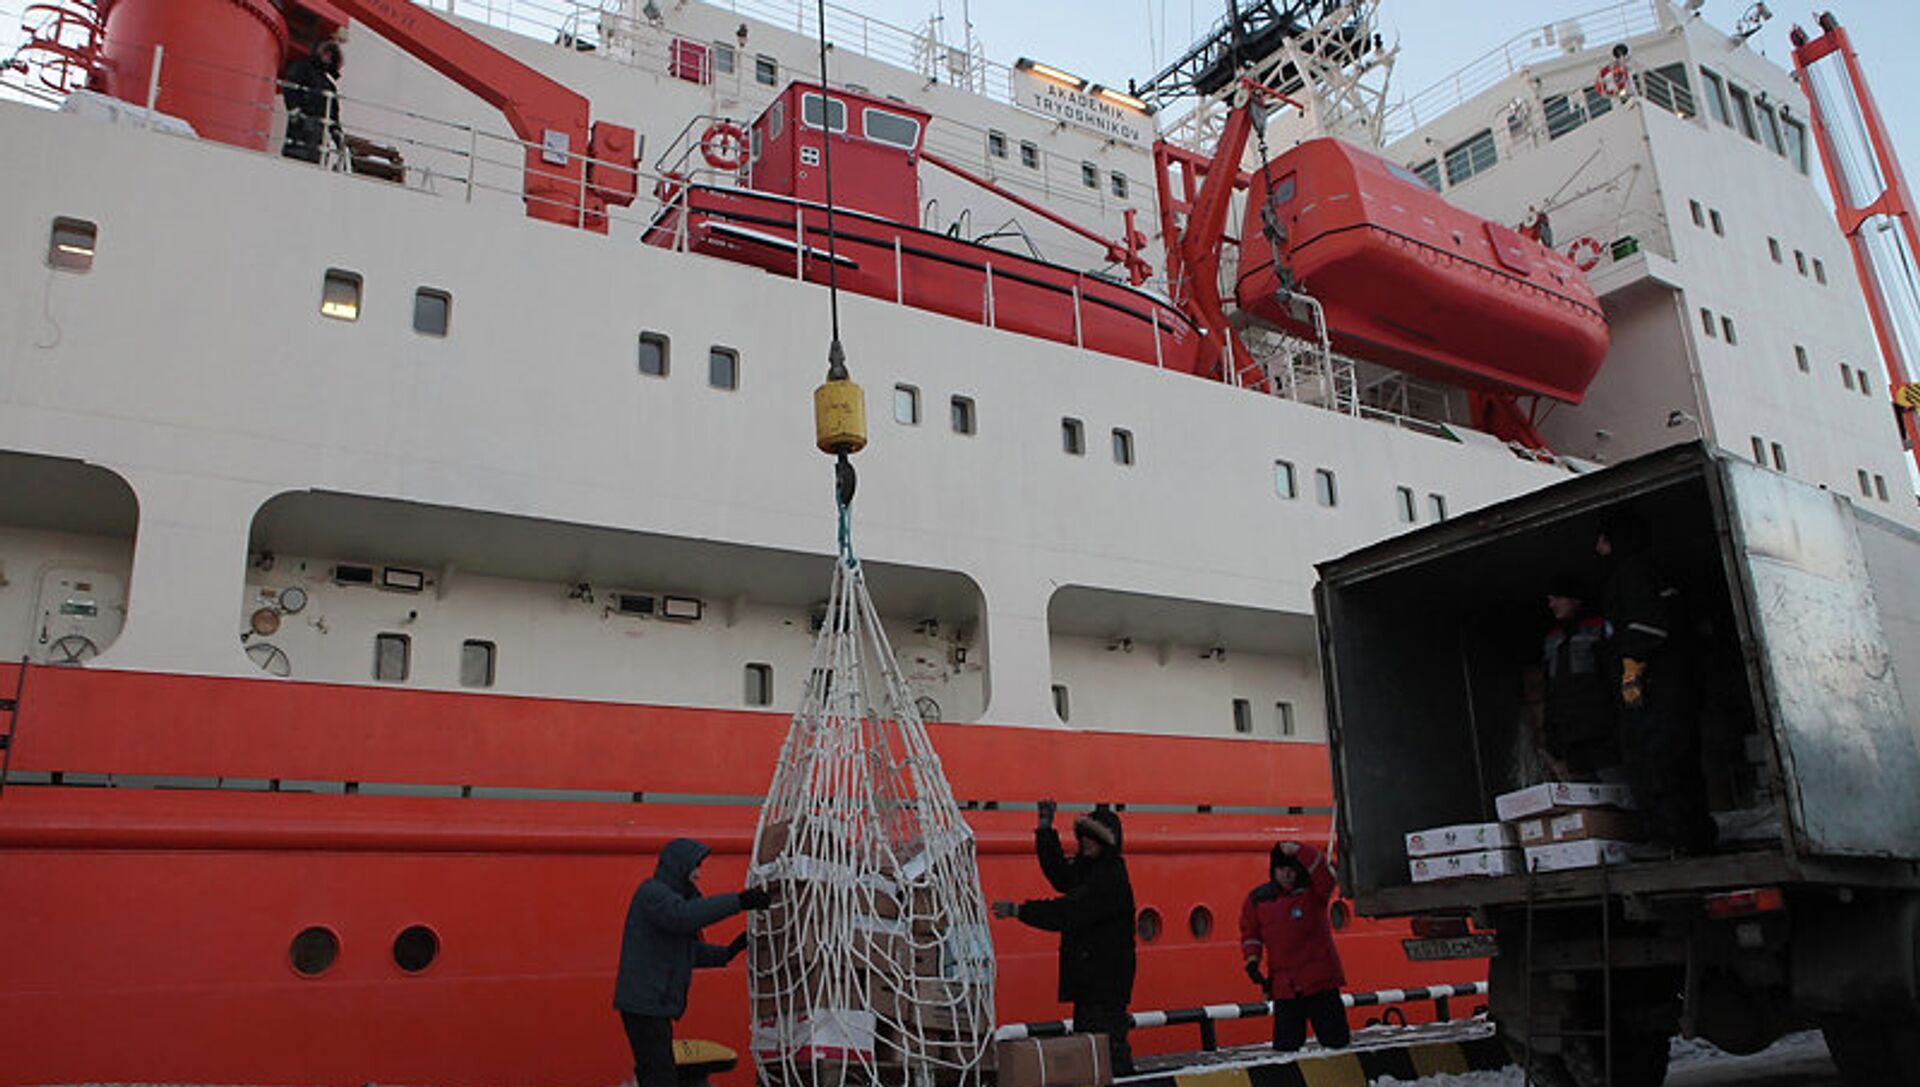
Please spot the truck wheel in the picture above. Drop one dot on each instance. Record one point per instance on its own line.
(1873, 1052)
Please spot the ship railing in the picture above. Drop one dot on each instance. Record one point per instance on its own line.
(1613, 23)
(1206, 1016)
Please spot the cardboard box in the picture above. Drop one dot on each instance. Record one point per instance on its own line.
(1482, 864)
(1078, 1060)
(1587, 853)
(1464, 838)
(773, 841)
(1575, 826)
(1536, 830)
(829, 1034)
(1543, 798)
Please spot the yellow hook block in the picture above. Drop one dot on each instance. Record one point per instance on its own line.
(839, 417)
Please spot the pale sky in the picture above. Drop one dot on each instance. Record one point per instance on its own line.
(1110, 41)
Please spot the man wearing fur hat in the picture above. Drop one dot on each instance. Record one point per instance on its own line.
(1094, 917)
(1285, 919)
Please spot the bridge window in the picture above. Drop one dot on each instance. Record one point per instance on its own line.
(1716, 89)
(1475, 156)
(890, 128)
(1284, 484)
(1770, 130)
(1795, 136)
(1030, 154)
(1743, 112)
(766, 70)
(71, 247)
(997, 144)
(723, 56)
(1667, 88)
(1429, 172)
(1090, 175)
(834, 111)
(1119, 181)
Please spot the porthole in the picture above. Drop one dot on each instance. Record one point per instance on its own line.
(415, 948)
(1200, 922)
(1148, 925)
(1338, 916)
(313, 951)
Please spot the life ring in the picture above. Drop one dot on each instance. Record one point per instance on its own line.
(1612, 81)
(724, 145)
(1592, 250)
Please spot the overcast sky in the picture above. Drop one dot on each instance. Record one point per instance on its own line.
(1110, 41)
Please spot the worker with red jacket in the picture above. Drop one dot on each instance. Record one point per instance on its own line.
(1285, 919)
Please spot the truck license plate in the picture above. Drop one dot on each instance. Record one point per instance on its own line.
(1478, 945)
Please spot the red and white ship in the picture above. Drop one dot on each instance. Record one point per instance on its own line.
(401, 549)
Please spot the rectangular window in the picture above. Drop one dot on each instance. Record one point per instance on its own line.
(1743, 113)
(887, 127)
(340, 295)
(392, 655)
(1475, 156)
(1794, 135)
(1718, 227)
(1030, 154)
(1770, 130)
(1866, 383)
(1880, 486)
(1716, 90)
(766, 70)
(1090, 175)
(723, 367)
(1779, 457)
(1667, 88)
(1119, 182)
(1699, 213)
(653, 354)
(818, 112)
(906, 405)
(1073, 437)
(1242, 715)
(432, 311)
(759, 684)
(1846, 376)
(1283, 716)
(1326, 488)
(1429, 172)
(1284, 484)
(1403, 501)
(961, 415)
(1800, 262)
(687, 60)
(1773, 249)
(476, 663)
(1866, 482)
(1122, 446)
(1800, 358)
(71, 245)
(1562, 115)
(1759, 451)
(1597, 104)
(1061, 707)
(1726, 329)
(723, 57)
(1437, 506)
(996, 144)
(1706, 321)
(1819, 272)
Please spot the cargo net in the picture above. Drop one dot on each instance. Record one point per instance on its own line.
(874, 964)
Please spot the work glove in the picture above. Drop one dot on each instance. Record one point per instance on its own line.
(1254, 975)
(1046, 809)
(1004, 910)
(1632, 677)
(738, 945)
(755, 898)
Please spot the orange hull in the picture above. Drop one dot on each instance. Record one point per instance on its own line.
(149, 927)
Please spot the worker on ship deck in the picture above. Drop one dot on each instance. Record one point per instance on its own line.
(313, 101)
(1094, 917)
(1285, 920)
(661, 947)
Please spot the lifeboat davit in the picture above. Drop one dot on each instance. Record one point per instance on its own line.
(1412, 282)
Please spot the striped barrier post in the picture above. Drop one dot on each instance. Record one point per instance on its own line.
(1210, 1014)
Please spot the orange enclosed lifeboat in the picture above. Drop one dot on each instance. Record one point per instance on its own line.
(1412, 282)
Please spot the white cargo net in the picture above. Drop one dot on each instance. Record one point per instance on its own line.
(874, 964)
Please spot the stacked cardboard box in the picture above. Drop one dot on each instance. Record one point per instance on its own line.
(893, 976)
(1562, 825)
(1078, 1060)
(1468, 849)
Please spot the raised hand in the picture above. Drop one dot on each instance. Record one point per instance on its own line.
(1047, 810)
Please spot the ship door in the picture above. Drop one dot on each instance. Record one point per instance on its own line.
(80, 613)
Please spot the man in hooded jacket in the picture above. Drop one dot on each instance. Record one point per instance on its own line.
(1285, 919)
(1094, 917)
(660, 949)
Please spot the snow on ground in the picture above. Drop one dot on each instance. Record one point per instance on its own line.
(1797, 1058)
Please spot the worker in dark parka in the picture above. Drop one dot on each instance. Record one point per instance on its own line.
(661, 948)
(1094, 917)
(313, 101)
(1577, 727)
